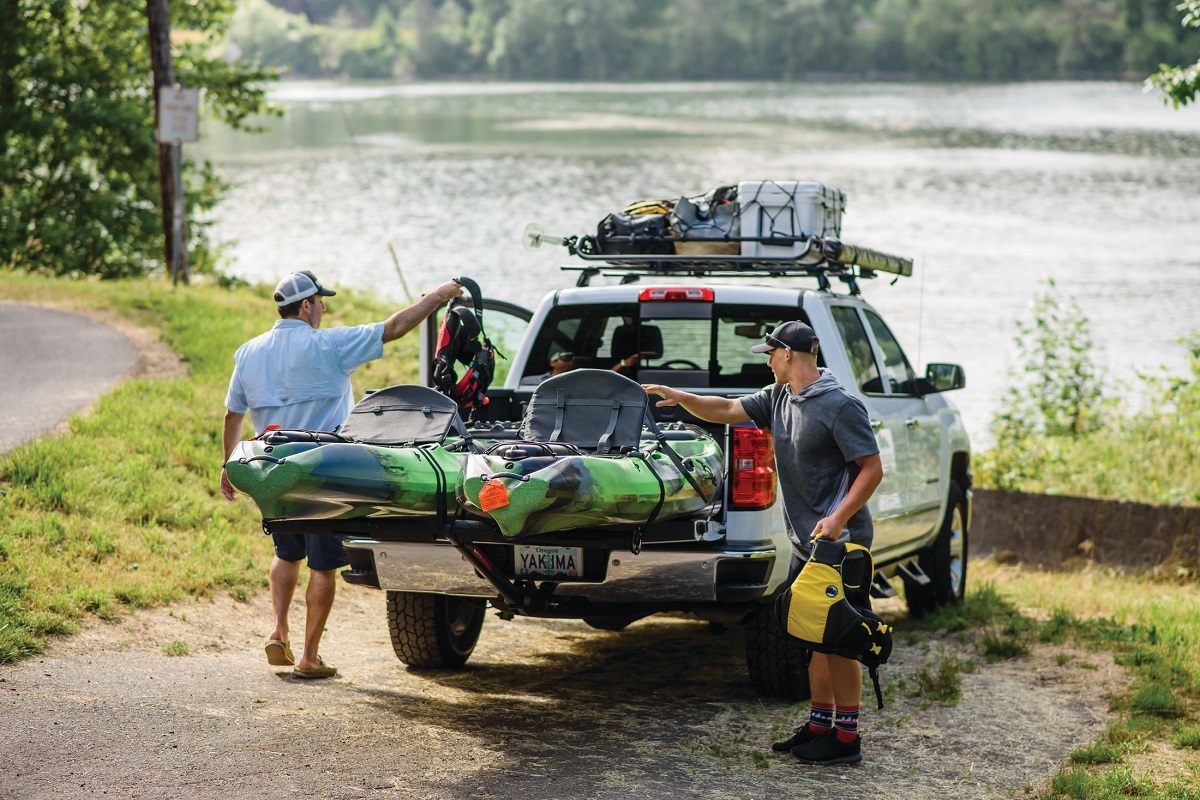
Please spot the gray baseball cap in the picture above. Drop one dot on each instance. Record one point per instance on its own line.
(298, 286)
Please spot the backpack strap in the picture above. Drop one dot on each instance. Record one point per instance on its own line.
(875, 682)
(476, 297)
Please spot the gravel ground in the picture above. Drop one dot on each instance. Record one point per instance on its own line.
(545, 709)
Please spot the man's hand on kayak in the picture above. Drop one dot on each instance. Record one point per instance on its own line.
(670, 397)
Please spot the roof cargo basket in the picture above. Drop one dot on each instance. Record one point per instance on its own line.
(817, 256)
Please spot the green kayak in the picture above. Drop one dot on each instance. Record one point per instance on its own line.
(405, 452)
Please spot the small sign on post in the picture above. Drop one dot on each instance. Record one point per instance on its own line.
(178, 115)
(178, 122)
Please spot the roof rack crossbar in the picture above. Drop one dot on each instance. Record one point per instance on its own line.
(820, 253)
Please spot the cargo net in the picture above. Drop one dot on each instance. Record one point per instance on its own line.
(754, 220)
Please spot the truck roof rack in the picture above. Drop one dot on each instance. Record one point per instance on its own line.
(819, 257)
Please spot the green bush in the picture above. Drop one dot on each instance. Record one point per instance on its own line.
(1057, 434)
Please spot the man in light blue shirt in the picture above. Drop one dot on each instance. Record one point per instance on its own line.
(297, 377)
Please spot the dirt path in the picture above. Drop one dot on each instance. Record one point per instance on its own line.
(546, 709)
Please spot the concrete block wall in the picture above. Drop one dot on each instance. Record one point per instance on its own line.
(1048, 530)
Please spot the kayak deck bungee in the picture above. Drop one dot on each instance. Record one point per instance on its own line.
(397, 458)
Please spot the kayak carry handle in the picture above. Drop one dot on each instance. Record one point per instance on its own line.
(261, 458)
(486, 477)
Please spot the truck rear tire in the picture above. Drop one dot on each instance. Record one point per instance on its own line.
(434, 630)
(944, 561)
(776, 662)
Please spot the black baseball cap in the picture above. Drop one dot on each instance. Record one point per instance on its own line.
(791, 336)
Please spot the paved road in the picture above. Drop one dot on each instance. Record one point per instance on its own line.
(53, 364)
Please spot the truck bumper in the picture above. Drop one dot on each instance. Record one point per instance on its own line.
(651, 576)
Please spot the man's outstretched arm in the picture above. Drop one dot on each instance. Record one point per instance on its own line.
(707, 407)
(406, 319)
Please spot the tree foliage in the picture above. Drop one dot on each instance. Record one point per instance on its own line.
(1179, 85)
(719, 39)
(78, 158)
(1056, 395)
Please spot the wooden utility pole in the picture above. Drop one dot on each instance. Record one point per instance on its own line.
(170, 175)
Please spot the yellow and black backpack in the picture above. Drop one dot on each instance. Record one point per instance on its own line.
(828, 607)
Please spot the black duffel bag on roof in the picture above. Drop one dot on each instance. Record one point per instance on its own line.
(622, 233)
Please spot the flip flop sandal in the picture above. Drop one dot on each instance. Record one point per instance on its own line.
(279, 654)
(323, 670)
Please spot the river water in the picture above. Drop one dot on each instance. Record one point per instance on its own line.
(991, 188)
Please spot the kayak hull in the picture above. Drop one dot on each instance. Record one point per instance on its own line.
(332, 481)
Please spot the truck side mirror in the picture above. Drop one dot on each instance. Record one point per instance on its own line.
(944, 378)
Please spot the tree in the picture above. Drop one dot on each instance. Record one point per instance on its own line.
(1179, 84)
(1056, 396)
(78, 170)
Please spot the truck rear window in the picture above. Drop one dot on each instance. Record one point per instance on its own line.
(684, 352)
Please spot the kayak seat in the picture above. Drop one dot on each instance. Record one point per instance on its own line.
(401, 415)
(593, 409)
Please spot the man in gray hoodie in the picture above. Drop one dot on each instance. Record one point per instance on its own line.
(828, 464)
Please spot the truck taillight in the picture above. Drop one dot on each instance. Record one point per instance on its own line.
(753, 469)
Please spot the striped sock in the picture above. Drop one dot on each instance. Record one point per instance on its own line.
(846, 722)
(820, 719)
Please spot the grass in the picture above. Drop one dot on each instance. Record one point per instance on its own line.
(122, 511)
(175, 649)
(940, 683)
(1152, 629)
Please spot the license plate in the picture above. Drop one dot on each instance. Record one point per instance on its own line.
(549, 562)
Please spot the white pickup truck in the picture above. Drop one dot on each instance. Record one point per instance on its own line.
(724, 567)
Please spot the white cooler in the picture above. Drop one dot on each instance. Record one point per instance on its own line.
(787, 209)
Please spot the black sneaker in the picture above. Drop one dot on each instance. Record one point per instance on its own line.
(829, 750)
(803, 735)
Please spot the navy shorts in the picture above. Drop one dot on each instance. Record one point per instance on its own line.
(324, 552)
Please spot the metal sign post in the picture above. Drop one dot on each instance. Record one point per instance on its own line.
(178, 122)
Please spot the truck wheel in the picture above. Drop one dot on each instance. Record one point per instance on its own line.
(433, 630)
(945, 562)
(775, 661)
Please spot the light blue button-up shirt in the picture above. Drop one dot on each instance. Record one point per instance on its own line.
(298, 377)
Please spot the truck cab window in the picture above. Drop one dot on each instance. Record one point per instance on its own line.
(858, 349)
(899, 374)
(740, 327)
(586, 331)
